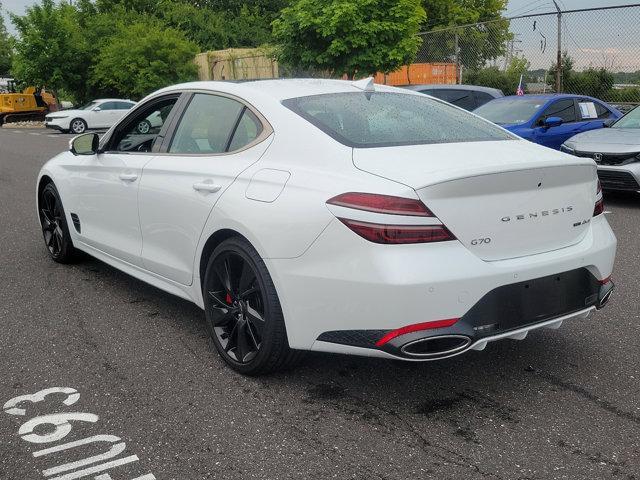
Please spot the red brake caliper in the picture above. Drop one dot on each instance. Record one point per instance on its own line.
(228, 299)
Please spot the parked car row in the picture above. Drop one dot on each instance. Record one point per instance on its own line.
(575, 124)
(558, 121)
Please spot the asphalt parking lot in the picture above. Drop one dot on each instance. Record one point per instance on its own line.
(560, 404)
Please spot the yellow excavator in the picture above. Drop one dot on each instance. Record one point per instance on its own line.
(32, 104)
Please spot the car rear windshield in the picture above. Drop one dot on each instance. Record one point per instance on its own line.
(382, 119)
(510, 111)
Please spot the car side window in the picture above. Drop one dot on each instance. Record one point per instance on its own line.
(139, 132)
(249, 128)
(482, 98)
(602, 111)
(209, 123)
(108, 106)
(565, 109)
(124, 105)
(460, 98)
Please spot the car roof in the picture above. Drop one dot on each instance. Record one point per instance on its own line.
(113, 100)
(280, 89)
(454, 86)
(544, 96)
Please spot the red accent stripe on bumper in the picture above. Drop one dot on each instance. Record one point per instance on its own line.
(417, 327)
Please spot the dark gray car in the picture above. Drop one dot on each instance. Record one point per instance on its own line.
(616, 150)
(468, 97)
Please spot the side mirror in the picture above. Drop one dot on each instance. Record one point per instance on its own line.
(551, 122)
(97, 109)
(86, 144)
(608, 122)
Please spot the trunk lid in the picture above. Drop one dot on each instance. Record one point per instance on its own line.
(500, 199)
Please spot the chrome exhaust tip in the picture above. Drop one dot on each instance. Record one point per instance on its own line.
(434, 347)
(605, 299)
(605, 295)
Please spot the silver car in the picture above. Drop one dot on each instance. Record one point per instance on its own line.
(616, 150)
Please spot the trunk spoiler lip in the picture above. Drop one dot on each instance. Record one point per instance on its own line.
(455, 175)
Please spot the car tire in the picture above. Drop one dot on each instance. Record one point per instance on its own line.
(243, 312)
(77, 126)
(143, 127)
(54, 226)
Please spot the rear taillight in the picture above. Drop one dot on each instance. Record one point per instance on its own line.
(390, 233)
(398, 234)
(386, 204)
(599, 207)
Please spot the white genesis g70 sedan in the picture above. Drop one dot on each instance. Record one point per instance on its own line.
(334, 216)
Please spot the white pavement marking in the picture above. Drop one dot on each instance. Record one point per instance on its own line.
(89, 466)
(98, 468)
(11, 406)
(114, 451)
(34, 133)
(106, 476)
(58, 420)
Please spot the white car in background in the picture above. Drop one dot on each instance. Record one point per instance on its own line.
(334, 216)
(98, 114)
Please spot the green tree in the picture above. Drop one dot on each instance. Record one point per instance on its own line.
(476, 43)
(594, 82)
(52, 50)
(349, 36)
(143, 57)
(6, 48)
(493, 77)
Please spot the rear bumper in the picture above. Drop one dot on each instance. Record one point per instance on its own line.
(345, 284)
(510, 311)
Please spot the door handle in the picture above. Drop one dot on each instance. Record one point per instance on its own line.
(206, 187)
(128, 177)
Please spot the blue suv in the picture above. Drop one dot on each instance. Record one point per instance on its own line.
(548, 119)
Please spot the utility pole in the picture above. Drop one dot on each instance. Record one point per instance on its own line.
(457, 54)
(559, 53)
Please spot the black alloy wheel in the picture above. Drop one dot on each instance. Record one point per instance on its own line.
(54, 226)
(243, 313)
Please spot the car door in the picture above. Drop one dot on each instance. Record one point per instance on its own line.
(553, 137)
(105, 185)
(122, 108)
(217, 137)
(92, 115)
(109, 114)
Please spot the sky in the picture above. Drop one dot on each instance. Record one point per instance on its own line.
(522, 7)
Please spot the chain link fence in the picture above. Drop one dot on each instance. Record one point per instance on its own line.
(598, 50)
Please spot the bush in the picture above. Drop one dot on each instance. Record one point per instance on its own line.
(143, 57)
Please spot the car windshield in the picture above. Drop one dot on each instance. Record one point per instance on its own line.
(511, 110)
(89, 105)
(382, 119)
(630, 120)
